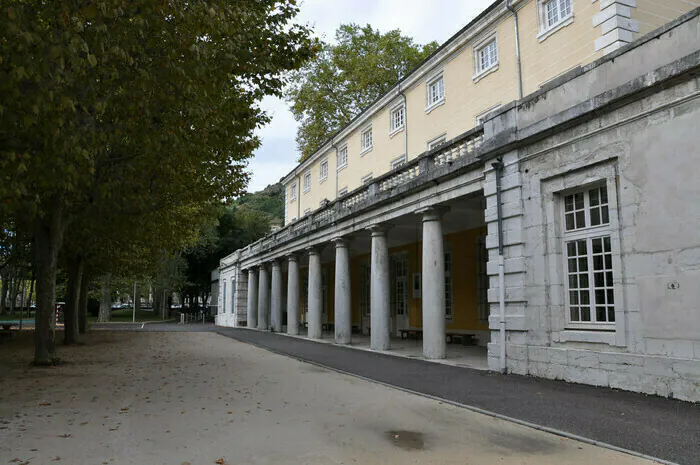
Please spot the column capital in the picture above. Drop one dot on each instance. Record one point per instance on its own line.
(313, 250)
(432, 213)
(276, 262)
(292, 257)
(378, 229)
(341, 241)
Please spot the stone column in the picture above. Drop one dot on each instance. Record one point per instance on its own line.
(433, 284)
(343, 310)
(379, 290)
(293, 295)
(315, 294)
(252, 298)
(276, 296)
(263, 298)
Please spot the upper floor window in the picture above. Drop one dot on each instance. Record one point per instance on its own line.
(367, 178)
(397, 163)
(293, 192)
(323, 175)
(438, 141)
(486, 57)
(307, 211)
(554, 14)
(342, 191)
(397, 119)
(307, 181)
(342, 157)
(366, 140)
(436, 92)
(589, 258)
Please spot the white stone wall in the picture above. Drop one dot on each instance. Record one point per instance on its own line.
(647, 154)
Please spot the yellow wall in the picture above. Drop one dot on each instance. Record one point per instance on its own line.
(652, 14)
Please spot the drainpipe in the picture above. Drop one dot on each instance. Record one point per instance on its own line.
(405, 124)
(517, 48)
(498, 167)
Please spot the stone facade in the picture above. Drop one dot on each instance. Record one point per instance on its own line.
(620, 131)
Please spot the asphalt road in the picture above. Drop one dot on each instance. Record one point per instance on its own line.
(654, 426)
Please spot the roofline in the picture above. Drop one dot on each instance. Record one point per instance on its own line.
(410, 76)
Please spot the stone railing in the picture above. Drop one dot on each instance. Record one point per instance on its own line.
(462, 147)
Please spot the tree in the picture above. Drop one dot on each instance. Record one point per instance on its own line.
(346, 77)
(97, 98)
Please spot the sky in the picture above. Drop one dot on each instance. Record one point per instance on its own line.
(423, 20)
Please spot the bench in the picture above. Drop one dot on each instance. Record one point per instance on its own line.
(464, 338)
(417, 333)
(6, 326)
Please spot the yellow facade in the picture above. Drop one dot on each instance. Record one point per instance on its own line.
(545, 55)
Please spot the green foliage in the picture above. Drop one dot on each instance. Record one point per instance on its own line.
(328, 92)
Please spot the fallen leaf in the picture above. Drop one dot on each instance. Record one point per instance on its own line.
(44, 404)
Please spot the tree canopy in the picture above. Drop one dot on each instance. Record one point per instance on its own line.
(346, 77)
(140, 112)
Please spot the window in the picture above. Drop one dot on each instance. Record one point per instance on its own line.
(554, 14)
(293, 192)
(366, 140)
(233, 295)
(307, 211)
(365, 286)
(324, 171)
(436, 92)
(398, 162)
(223, 300)
(448, 284)
(438, 141)
(367, 178)
(342, 191)
(588, 250)
(342, 157)
(397, 119)
(486, 57)
(307, 181)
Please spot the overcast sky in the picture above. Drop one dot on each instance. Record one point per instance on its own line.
(423, 20)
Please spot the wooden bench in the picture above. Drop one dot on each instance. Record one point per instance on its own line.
(465, 338)
(7, 326)
(417, 333)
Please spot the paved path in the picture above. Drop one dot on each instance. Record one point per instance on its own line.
(654, 426)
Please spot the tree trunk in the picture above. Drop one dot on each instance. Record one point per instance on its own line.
(31, 294)
(5, 276)
(48, 238)
(105, 300)
(13, 293)
(137, 298)
(83, 303)
(70, 312)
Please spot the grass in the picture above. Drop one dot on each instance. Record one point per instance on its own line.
(15, 317)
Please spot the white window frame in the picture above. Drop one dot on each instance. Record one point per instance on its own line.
(583, 232)
(432, 103)
(437, 141)
(307, 211)
(365, 144)
(366, 179)
(562, 20)
(307, 181)
(293, 192)
(480, 117)
(343, 191)
(342, 157)
(398, 162)
(223, 297)
(397, 119)
(481, 71)
(233, 295)
(323, 170)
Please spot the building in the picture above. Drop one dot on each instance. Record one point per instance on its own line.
(555, 225)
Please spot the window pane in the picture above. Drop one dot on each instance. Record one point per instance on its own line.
(606, 215)
(571, 249)
(572, 265)
(578, 198)
(611, 296)
(585, 313)
(585, 297)
(601, 314)
(595, 199)
(583, 281)
(598, 262)
(580, 219)
(573, 281)
(597, 246)
(609, 279)
(582, 264)
(600, 297)
(582, 246)
(575, 314)
(606, 243)
(595, 217)
(611, 314)
(573, 297)
(569, 203)
(570, 225)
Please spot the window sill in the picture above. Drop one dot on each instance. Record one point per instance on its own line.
(367, 150)
(323, 180)
(482, 74)
(433, 106)
(555, 27)
(306, 191)
(594, 336)
(395, 131)
(293, 200)
(342, 167)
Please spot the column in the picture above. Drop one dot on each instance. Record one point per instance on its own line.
(292, 295)
(252, 298)
(276, 296)
(433, 285)
(315, 294)
(379, 290)
(343, 312)
(263, 297)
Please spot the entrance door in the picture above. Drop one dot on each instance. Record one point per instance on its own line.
(401, 292)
